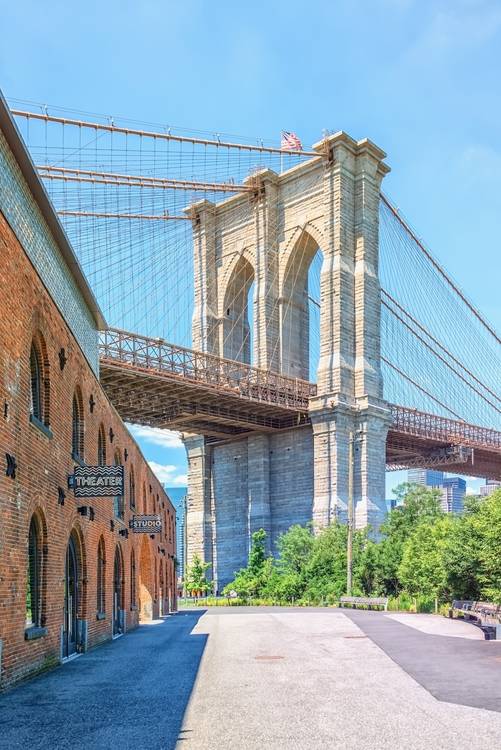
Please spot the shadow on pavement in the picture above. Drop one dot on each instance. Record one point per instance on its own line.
(129, 693)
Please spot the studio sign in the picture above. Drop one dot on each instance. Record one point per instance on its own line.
(146, 524)
(98, 481)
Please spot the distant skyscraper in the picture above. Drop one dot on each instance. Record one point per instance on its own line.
(453, 491)
(428, 477)
(490, 486)
(178, 495)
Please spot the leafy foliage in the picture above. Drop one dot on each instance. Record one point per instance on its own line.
(422, 557)
(196, 582)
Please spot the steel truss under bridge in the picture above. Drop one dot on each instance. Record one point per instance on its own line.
(151, 381)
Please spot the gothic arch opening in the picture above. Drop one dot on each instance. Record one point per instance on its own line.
(238, 313)
(300, 309)
(74, 609)
(146, 583)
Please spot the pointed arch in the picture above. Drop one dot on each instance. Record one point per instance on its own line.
(118, 591)
(236, 312)
(132, 579)
(132, 489)
(296, 303)
(39, 380)
(76, 538)
(101, 577)
(101, 446)
(36, 571)
(118, 500)
(78, 429)
(145, 582)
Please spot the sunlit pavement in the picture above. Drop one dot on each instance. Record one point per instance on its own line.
(268, 678)
(321, 679)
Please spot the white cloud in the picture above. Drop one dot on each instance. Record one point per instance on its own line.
(156, 436)
(471, 491)
(168, 474)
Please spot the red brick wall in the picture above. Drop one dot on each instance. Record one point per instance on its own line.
(43, 465)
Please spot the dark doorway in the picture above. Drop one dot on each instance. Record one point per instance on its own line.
(70, 600)
(117, 593)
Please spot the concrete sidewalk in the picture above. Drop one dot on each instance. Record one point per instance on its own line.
(278, 678)
(254, 678)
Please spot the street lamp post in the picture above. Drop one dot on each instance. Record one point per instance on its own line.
(349, 550)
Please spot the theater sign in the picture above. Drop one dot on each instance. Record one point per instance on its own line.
(98, 481)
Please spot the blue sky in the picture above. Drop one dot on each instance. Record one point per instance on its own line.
(419, 78)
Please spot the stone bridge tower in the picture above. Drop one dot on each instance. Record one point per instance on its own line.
(266, 240)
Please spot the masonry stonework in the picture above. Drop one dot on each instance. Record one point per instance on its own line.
(273, 480)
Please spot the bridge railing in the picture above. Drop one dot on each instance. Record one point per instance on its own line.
(235, 378)
(431, 426)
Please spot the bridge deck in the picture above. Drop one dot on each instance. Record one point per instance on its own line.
(152, 382)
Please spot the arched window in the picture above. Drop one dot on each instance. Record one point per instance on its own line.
(101, 578)
(39, 382)
(132, 489)
(300, 309)
(101, 446)
(118, 501)
(36, 384)
(237, 321)
(34, 575)
(77, 435)
(132, 579)
(145, 507)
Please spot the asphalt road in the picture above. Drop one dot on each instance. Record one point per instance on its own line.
(265, 678)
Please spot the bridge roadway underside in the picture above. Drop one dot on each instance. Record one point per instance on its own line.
(146, 396)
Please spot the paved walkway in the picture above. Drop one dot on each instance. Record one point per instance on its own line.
(243, 679)
(434, 625)
(130, 693)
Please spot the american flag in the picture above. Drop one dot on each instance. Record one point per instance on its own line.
(290, 142)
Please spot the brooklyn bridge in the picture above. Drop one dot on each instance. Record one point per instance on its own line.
(277, 308)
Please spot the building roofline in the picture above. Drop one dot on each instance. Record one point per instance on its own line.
(36, 186)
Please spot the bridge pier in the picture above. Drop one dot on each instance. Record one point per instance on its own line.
(258, 467)
(271, 481)
(199, 512)
(332, 429)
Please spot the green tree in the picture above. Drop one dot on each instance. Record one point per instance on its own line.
(461, 556)
(417, 504)
(254, 579)
(366, 561)
(196, 583)
(257, 554)
(325, 571)
(422, 570)
(487, 524)
(295, 547)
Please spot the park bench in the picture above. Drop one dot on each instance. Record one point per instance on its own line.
(486, 614)
(363, 601)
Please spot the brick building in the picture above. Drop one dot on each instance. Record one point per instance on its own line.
(71, 573)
